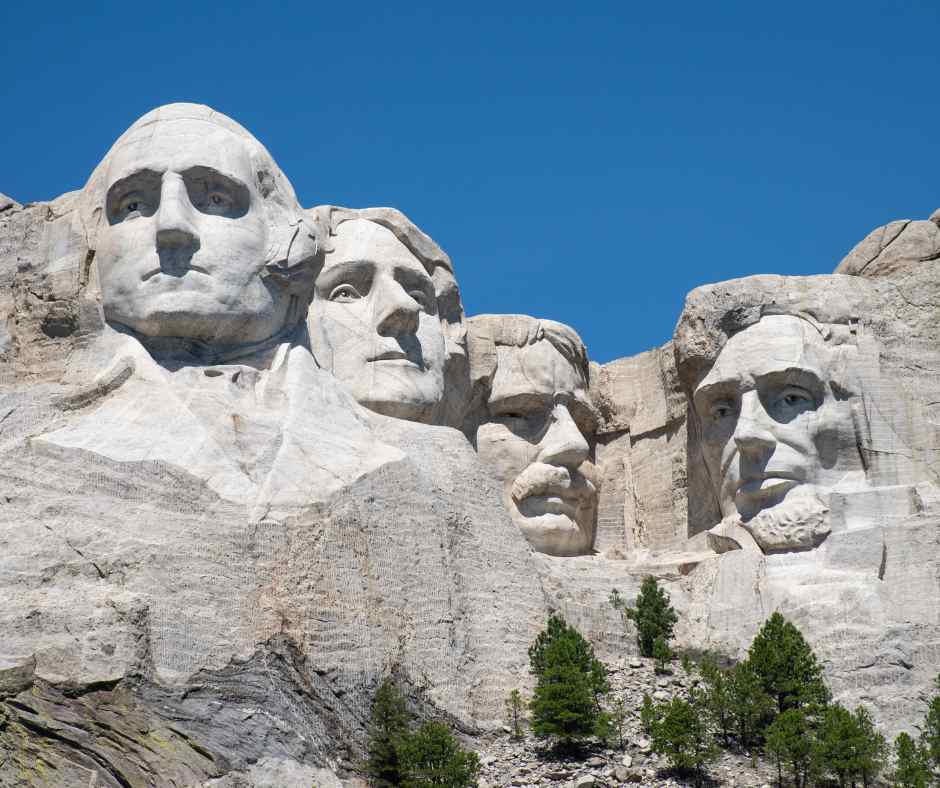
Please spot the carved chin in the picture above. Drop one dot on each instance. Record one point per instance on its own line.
(798, 524)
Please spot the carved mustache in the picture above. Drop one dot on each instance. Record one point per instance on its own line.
(542, 479)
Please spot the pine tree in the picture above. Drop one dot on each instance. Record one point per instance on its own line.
(431, 756)
(570, 684)
(653, 616)
(388, 723)
(872, 753)
(680, 733)
(515, 713)
(849, 745)
(749, 706)
(647, 714)
(791, 739)
(930, 736)
(786, 665)
(717, 696)
(912, 768)
(662, 654)
(618, 720)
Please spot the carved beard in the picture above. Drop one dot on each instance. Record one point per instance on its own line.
(798, 524)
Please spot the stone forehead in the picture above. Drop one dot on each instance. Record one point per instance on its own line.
(181, 115)
(179, 145)
(535, 368)
(358, 235)
(775, 342)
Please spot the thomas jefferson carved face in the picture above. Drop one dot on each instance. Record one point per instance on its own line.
(535, 440)
(374, 323)
(184, 237)
(775, 426)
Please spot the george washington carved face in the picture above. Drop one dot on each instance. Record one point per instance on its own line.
(186, 229)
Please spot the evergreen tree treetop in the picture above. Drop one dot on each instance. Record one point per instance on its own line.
(570, 683)
(652, 615)
(786, 665)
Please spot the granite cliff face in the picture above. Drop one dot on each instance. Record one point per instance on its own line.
(255, 459)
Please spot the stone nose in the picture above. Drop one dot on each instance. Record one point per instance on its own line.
(396, 311)
(175, 218)
(563, 443)
(753, 433)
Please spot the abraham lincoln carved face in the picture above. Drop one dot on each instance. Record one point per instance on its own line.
(778, 429)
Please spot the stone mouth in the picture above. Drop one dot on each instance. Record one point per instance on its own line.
(766, 484)
(550, 503)
(183, 271)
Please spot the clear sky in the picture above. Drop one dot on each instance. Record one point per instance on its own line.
(587, 162)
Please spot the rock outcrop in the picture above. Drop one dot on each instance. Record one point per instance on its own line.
(254, 460)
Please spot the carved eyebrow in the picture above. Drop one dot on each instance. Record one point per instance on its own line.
(794, 376)
(133, 179)
(709, 391)
(201, 171)
(343, 269)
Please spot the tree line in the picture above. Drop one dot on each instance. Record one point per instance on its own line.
(774, 701)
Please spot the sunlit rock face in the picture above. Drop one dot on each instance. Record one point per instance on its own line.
(200, 517)
(777, 415)
(386, 318)
(195, 230)
(808, 402)
(535, 427)
(255, 460)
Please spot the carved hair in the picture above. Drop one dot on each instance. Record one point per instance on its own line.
(328, 218)
(491, 331)
(292, 241)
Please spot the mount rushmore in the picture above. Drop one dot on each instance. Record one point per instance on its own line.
(255, 459)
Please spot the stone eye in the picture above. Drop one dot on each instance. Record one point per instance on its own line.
(344, 294)
(721, 410)
(795, 397)
(132, 206)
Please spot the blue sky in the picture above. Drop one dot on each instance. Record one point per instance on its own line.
(588, 162)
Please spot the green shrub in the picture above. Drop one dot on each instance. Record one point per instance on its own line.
(515, 713)
(912, 769)
(786, 665)
(749, 706)
(431, 756)
(653, 616)
(680, 733)
(647, 714)
(570, 684)
(388, 723)
(791, 740)
(930, 737)
(662, 654)
(849, 747)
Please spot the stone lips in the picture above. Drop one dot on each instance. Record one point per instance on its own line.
(212, 552)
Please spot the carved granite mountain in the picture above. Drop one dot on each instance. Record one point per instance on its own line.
(254, 460)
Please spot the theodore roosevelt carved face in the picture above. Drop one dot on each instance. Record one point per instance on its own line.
(374, 322)
(193, 215)
(777, 428)
(537, 427)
